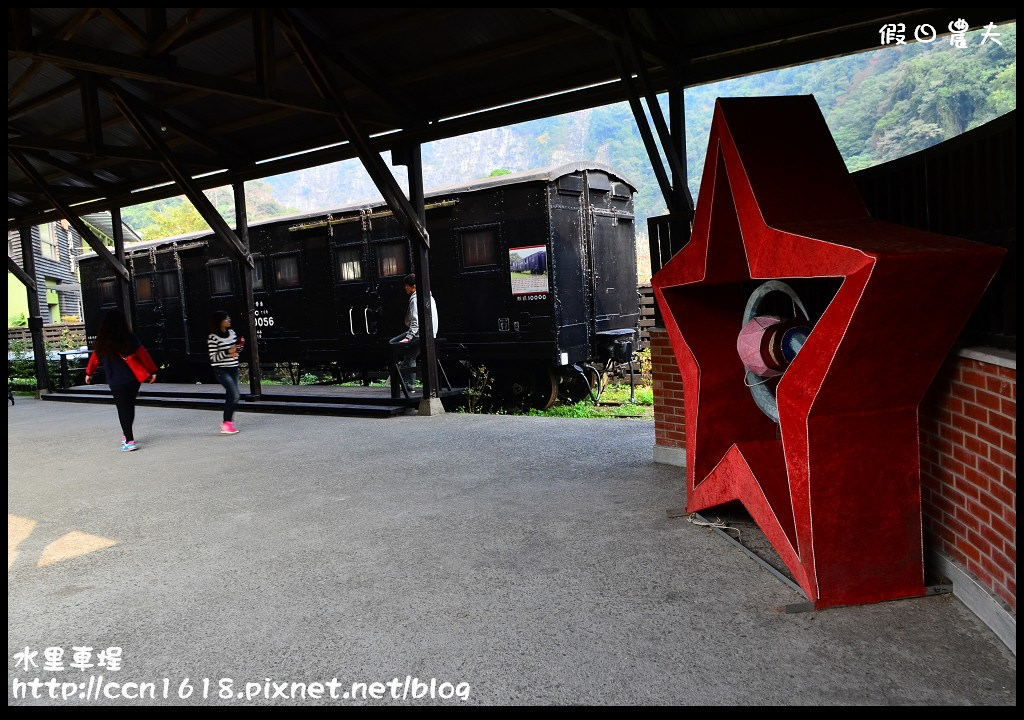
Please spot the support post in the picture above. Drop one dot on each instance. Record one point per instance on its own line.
(671, 199)
(430, 404)
(35, 320)
(123, 283)
(242, 231)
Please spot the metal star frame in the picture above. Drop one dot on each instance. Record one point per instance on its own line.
(835, 486)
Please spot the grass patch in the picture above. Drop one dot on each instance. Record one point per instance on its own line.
(614, 403)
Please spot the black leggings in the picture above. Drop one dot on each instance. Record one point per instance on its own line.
(124, 399)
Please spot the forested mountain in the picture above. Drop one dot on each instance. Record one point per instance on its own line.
(879, 105)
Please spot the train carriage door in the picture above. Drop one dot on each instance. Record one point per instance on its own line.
(613, 254)
(196, 302)
(99, 295)
(356, 317)
(148, 322)
(168, 288)
(570, 265)
(480, 278)
(316, 323)
(392, 261)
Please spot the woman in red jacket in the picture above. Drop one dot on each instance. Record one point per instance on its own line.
(114, 342)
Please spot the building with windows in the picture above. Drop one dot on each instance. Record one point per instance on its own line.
(56, 247)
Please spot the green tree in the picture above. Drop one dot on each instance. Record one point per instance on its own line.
(174, 220)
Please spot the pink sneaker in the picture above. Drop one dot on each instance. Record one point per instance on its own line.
(227, 428)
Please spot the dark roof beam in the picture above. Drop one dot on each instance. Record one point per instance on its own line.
(73, 86)
(87, 234)
(652, 24)
(64, 33)
(91, 112)
(15, 269)
(19, 32)
(36, 142)
(482, 55)
(114, 64)
(224, 152)
(403, 112)
(156, 24)
(66, 168)
(52, 95)
(171, 35)
(387, 29)
(181, 98)
(136, 113)
(126, 26)
(263, 49)
(361, 143)
(670, 147)
(603, 27)
(674, 206)
(70, 193)
(212, 28)
(239, 161)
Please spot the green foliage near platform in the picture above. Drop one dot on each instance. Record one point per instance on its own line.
(613, 403)
(478, 391)
(21, 366)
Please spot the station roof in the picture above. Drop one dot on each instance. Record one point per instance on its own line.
(229, 94)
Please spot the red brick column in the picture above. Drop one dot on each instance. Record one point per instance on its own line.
(669, 427)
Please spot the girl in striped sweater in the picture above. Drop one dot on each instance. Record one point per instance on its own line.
(224, 347)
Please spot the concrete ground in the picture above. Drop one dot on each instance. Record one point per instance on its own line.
(520, 560)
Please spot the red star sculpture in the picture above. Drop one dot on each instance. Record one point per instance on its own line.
(835, 486)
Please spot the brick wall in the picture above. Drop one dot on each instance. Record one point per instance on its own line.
(968, 459)
(668, 393)
(969, 471)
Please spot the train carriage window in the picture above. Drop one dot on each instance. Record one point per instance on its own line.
(257, 273)
(286, 271)
(220, 278)
(169, 284)
(347, 264)
(479, 247)
(108, 290)
(143, 289)
(392, 259)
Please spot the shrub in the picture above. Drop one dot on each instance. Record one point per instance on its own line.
(478, 390)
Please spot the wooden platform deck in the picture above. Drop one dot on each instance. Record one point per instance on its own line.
(350, 400)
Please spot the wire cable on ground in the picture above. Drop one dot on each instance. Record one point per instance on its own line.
(713, 523)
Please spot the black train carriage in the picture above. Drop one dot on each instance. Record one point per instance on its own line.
(534, 275)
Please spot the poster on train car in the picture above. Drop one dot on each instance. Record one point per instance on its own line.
(528, 270)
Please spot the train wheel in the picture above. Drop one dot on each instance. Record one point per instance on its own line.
(526, 388)
(546, 392)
